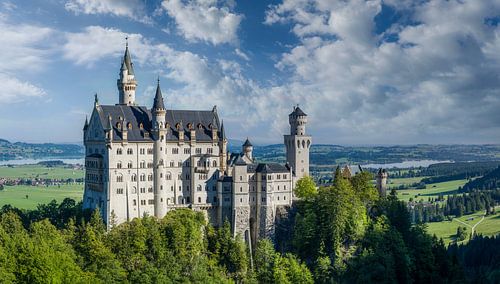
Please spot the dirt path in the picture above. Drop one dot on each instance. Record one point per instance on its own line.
(472, 227)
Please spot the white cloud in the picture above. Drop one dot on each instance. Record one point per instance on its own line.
(133, 9)
(24, 49)
(437, 82)
(241, 54)
(205, 20)
(15, 90)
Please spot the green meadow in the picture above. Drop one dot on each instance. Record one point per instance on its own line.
(16, 195)
(39, 171)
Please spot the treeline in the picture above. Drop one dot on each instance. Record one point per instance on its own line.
(489, 181)
(442, 172)
(480, 258)
(437, 210)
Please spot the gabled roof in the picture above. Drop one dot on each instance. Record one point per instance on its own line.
(137, 115)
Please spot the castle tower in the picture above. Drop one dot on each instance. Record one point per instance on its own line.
(247, 149)
(159, 136)
(241, 206)
(382, 182)
(298, 143)
(127, 83)
(223, 151)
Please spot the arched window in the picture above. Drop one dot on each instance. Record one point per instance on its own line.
(141, 126)
(129, 125)
(199, 199)
(119, 178)
(199, 187)
(214, 163)
(119, 165)
(119, 151)
(133, 177)
(130, 151)
(303, 143)
(143, 177)
(129, 165)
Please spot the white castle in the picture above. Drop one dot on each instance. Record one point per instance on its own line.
(142, 161)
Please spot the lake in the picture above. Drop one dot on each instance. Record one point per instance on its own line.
(405, 164)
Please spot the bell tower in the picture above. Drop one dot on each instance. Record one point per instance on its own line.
(126, 83)
(298, 143)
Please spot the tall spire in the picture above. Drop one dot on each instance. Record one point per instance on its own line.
(158, 101)
(222, 132)
(126, 83)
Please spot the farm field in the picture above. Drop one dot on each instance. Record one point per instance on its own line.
(433, 190)
(16, 195)
(395, 182)
(447, 229)
(34, 171)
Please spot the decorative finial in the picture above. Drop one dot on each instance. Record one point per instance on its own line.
(126, 41)
(96, 100)
(158, 79)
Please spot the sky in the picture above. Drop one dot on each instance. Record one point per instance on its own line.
(378, 72)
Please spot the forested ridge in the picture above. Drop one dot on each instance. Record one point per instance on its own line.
(343, 233)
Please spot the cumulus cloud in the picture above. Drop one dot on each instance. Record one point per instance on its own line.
(24, 49)
(200, 82)
(434, 79)
(204, 20)
(15, 90)
(133, 9)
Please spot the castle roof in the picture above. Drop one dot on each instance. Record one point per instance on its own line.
(158, 101)
(141, 115)
(298, 112)
(127, 62)
(247, 143)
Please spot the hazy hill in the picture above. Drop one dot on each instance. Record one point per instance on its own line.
(17, 150)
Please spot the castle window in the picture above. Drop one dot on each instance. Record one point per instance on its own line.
(118, 125)
(199, 199)
(198, 151)
(171, 164)
(129, 165)
(119, 165)
(129, 125)
(150, 151)
(284, 176)
(278, 187)
(142, 151)
(179, 164)
(130, 151)
(119, 151)
(171, 188)
(241, 189)
(150, 165)
(187, 150)
(199, 187)
(278, 198)
(215, 199)
(175, 151)
(119, 178)
(284, 187)
(200, 126)
(134, 190)
(143, 190)
(214, 164)
(143, 202)
(150, 189)
(119, 191)
(143, 177)
(135, 202)
(284, 197)
(241, 177)
(169, 176)
(143, 164)
(263, 199)
(210, 150)
(133, 178)
(141, 126)
(161, 175)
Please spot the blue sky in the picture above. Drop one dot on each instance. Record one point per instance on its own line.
(366, 72)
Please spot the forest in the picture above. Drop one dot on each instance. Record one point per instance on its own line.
(342, 233)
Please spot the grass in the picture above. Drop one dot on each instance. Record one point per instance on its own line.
(400, 181)
(33, 171)
(447, 229)
(432, 190)
(16, 195)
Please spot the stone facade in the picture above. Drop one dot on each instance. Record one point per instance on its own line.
(142, 161)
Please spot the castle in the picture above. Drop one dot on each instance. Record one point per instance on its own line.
(142, 161)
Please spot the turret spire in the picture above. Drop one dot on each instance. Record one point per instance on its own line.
(127, 83)
(158, 101)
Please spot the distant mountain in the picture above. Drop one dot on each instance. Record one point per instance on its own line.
(22, 150)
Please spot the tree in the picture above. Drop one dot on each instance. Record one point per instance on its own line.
(461, 233)
(306, 188)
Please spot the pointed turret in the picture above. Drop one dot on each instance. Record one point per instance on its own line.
(158, 101)
(247, 148)
(126, 83)
(222, 132)
(86, 125)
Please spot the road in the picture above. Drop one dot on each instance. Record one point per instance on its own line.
(472, 227)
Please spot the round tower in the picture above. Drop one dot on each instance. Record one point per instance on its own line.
(382, 182)
(159, 135)
(247, 149)
(126, 83)
(298, 121)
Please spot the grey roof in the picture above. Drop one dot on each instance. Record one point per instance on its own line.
(158, 101)
(272, 168)
(140, 114)
(247, 143)
(298, 112)
(127, 62)
(240, 162)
